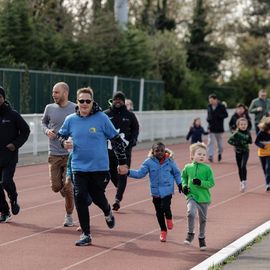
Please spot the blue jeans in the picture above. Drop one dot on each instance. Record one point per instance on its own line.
(265, 161)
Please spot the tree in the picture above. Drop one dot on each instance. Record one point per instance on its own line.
(202, 55)
(16, 32)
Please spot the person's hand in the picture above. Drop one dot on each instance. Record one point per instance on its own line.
(259, 109)
(122, 169)
(180, 188)
(51, 134)
(68, 144)
(196, 181)
(186, 190)
(11, 147)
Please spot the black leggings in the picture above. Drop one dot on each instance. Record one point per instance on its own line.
(241, 160)
(163, 210)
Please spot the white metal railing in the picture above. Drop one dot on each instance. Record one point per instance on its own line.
(153, 125)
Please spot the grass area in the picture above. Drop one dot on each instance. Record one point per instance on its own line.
(234, 257)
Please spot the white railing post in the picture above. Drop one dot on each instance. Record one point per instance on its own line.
(141, 95)
(115, 84)
(35, 134)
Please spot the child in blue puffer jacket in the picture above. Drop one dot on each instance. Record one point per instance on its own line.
(163, 171)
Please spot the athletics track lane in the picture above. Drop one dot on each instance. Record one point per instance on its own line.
(35, 239)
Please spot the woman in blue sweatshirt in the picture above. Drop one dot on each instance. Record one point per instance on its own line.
(90, 129)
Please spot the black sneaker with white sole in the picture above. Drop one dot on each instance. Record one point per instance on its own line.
(202, 244)
(189, 238)
(5, 217)
(85, 240)
(116, 205)
(15, 207)
(110, 220)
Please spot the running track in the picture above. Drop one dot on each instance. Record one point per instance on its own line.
(35, 239)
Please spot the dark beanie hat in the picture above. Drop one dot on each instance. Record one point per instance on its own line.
(2, 92)
(119, 95)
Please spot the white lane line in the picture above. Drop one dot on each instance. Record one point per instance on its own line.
(33, 188)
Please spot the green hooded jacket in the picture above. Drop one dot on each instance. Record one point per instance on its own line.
(202, 171)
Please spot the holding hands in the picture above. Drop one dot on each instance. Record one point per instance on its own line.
(122, 169)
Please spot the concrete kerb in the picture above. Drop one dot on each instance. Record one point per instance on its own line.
(233, 248)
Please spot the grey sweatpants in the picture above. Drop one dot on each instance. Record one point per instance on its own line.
(192, 208)
(212, 137)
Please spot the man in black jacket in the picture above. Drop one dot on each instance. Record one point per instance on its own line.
(126, 122)
(216, 113)
(14, 132)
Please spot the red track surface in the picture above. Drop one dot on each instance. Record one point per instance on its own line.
(35, 239)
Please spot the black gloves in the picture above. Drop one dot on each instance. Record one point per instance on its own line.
(196, 181)
(180, 188)
(185, 190)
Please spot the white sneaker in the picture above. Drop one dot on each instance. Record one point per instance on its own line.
(68, 222)
(245, 185)
(242, 186)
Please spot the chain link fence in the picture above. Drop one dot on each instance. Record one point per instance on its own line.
(29, 91)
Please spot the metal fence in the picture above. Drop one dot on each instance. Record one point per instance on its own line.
(29, 90)
(153, 125)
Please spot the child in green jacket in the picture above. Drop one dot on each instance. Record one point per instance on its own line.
(241, 140)
(197, 179)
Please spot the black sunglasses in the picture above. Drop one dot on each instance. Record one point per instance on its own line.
(87, 101)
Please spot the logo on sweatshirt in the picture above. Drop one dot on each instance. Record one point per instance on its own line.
(5, 121)
(92, 130)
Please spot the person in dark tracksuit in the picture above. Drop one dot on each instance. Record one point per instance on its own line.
(14, 132)
(126, 122)
(90, 130)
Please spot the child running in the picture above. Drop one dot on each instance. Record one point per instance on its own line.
(197, 179)
(163, 171)
(241, 139)
(196, 131)
(263, 142)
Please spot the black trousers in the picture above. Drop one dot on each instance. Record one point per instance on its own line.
(90, 184)
(7, 183)
(241, 160)
(163, 210)
(119, 181)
